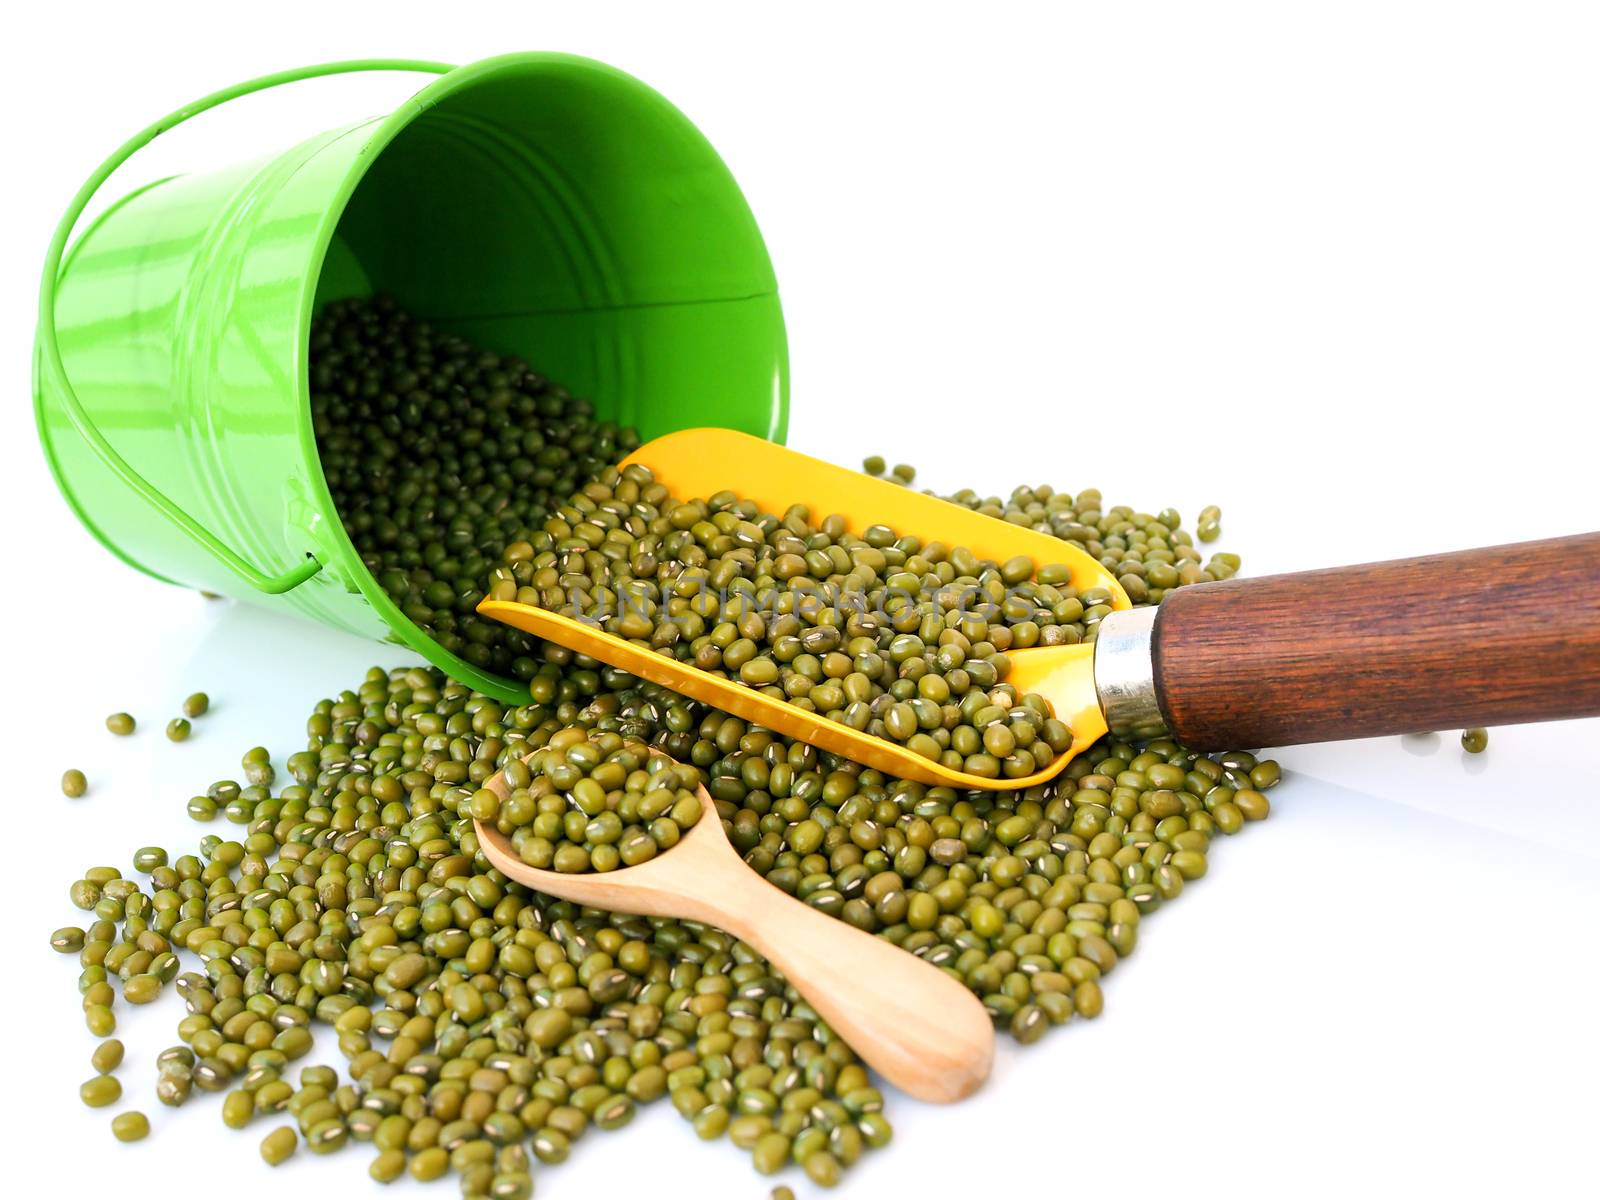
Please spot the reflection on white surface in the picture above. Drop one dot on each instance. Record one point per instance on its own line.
(1503, 790)
(1421, 744)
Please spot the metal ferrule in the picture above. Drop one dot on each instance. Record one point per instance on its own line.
(1124, 673)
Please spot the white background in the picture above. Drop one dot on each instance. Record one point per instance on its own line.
(1331, 266)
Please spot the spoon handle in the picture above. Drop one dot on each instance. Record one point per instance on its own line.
(918, 1027)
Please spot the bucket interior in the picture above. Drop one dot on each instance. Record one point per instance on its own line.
(561, 211)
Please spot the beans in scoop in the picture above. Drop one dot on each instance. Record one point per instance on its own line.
(888, 634)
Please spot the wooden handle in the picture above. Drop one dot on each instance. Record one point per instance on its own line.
(1498, 636)
(918, 1027)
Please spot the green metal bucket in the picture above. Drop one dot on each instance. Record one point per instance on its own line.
(541, 205)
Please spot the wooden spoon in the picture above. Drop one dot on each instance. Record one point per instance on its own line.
(915, 1025)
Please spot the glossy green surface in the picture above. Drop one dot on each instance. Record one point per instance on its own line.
(543, 205)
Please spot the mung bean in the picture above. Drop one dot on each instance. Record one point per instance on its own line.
(100, 1091)
(107, 1056)
(130, 1126)
(388, 1166)
(278, 1145)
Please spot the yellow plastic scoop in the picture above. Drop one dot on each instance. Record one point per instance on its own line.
(699, 462)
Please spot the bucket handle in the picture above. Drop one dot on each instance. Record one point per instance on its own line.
(50, 350)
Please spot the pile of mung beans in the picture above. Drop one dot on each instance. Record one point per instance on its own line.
(485, 1027)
